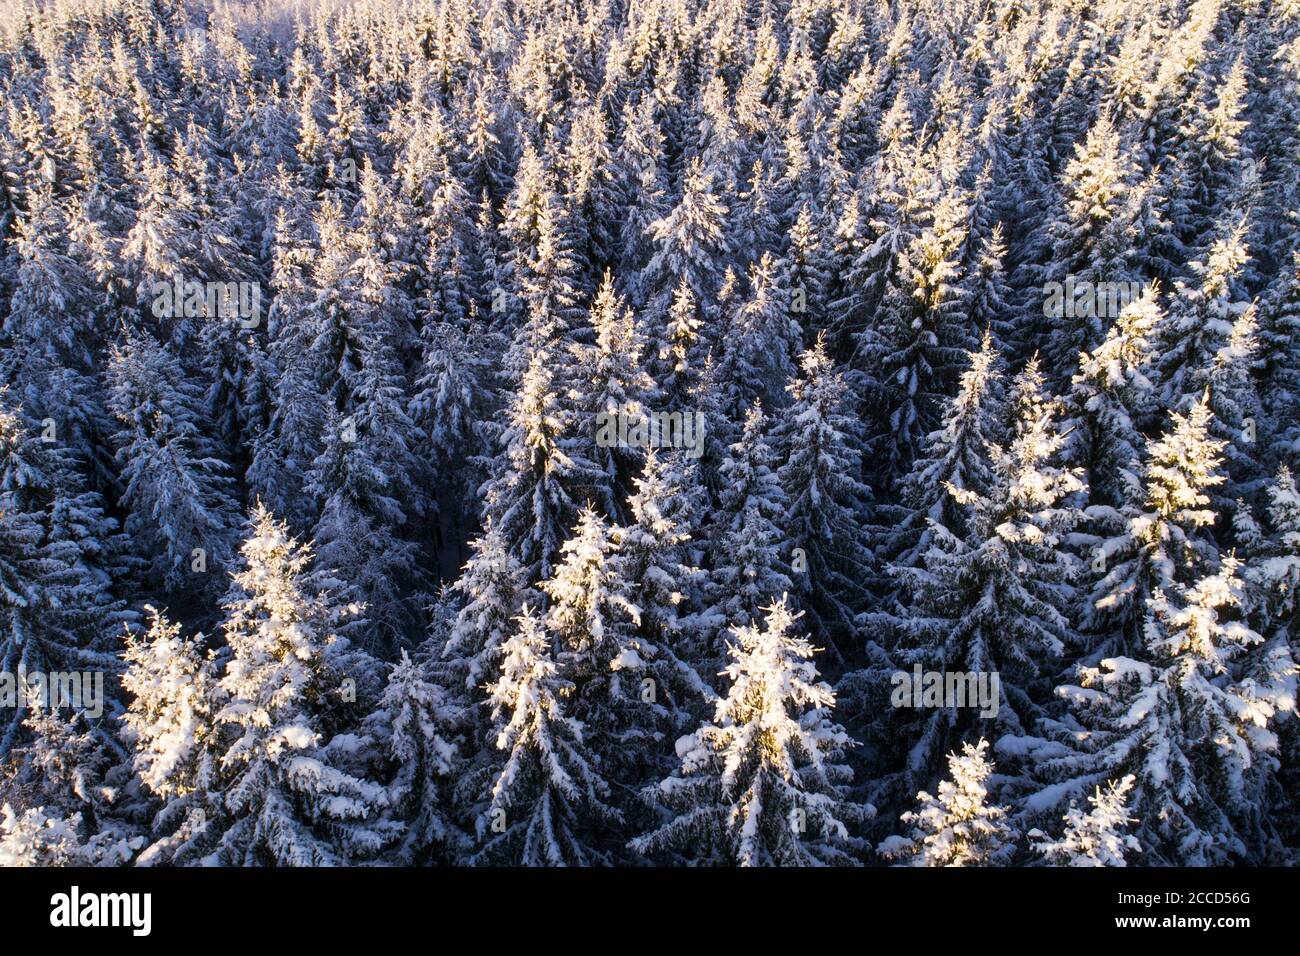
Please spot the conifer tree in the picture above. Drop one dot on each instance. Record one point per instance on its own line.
(821, 464)
(1094, 838)
(958, 827)
(171, 727)
(414, 729)
(546, 793)
(286, 804)
(1174, 718)
(176, 488)
(762, 784)
(748, 554)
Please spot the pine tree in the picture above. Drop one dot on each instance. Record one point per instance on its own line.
(912, 351)
(762, 339)
(1159, 540)
(1200, 318)
(495, 591)
(989, 295)
(602, 652)
(613, 384)
(1110, 397)
(1000, 599)
(690, 241)
(655, 559)
(1175, 719)
(531, 498)
(959, 456)
(414, 728)
(1088, 239)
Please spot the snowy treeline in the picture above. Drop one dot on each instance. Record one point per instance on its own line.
(990, 310)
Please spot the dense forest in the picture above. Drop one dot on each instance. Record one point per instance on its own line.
(649, 432)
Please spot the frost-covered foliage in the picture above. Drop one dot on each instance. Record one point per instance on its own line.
(550, 346)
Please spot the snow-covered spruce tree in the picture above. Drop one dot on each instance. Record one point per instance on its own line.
(73, 770)
(1162, 538)
(593, 189)
(989, 296)
(656, 559)
(453, 395)
(804, 272)
(1109, 397)
(999, 599)
(175, 487)
(644, 181)
(1273, 569)
(41, 837)
(1200, 317)
(282, 454)
(493, 591)
(913, 349)
(960, 455)
(677, 363)
(748, 555)
(762, 338)
(544, 263)
(62, 564)
(1088, 241)
(821, 465)
(539, 473)
(1174, 716)
(49, 333)
(762, 784)
(1209, 161)
(365, 500)
(959, 827)
(286, 804)
(1236, 412)
(612, 382)
(690, 242)
(1272, 579)
(601, 649)
(334, 323)
(170, 725)
(23, 571)
(414, 730)
(1095, 837)
(1279, 338)
(545, 795)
